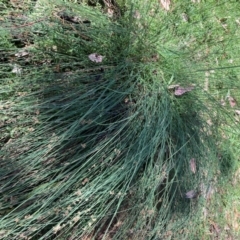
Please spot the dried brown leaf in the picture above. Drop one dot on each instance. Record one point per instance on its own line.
(193, 166)
(182, 90)
(110, 12)
(165, 4)
(94, 57)
(232, 101)
(191, 194)
(237, 112)
(86, 180)
(22, 53)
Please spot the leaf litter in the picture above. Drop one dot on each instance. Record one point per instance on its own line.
(95, 57)
(165, 4)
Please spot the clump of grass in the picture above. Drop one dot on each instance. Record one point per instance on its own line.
(104, 149)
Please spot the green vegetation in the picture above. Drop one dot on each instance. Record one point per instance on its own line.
(119, 120)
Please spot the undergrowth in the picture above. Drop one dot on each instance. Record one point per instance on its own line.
(108, 149)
